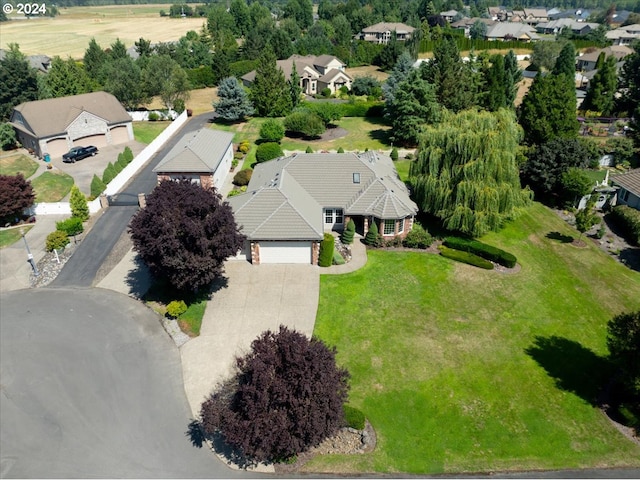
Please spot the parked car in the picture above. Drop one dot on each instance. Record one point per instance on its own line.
(78, 153)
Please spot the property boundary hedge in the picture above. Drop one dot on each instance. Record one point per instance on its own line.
(628, 219)
(465, 257)
(488, 252)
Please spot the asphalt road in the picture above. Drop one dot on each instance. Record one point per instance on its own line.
(81, 269)
(91, 386)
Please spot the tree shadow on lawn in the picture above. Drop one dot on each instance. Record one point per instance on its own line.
(162, 292)
(381, 135)
(561, 237)
(631, 258)
(574, 368)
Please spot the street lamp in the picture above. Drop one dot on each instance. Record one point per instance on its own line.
(29, 255)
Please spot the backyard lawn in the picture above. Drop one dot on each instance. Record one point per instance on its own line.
(52, 186)
(465, 370)
(146, 132)
(15, 164)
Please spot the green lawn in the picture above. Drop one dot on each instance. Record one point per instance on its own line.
(11, 235)
(146, 132)
(191, 320)
(595, 175)
(14, 164)
(402, 167)
(52, 186)
(466, 370)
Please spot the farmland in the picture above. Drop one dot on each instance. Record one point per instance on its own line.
(69, 33)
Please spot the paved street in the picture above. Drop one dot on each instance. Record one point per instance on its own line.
(92, 387)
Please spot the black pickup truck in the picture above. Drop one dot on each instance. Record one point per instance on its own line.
(78, 153)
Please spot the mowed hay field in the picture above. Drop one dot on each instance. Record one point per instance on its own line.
(69, 33)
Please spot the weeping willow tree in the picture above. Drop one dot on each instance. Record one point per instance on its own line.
(466, 172)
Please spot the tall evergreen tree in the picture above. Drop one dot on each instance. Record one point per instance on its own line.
(566, 61)
(466, 173)
(602, 89)
(233, 103)
(495, 82)
(94, 58)
(66, 77)
(294, 87)
(512, 76)
(270, 91)
(18, 82)
(400, 72)
(630, 88)
(118, 50)
(548, 110)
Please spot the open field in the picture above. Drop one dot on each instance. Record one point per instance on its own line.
(466, 370)
(69, 33)
(199, 100)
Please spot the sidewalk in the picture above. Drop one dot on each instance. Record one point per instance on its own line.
(358, 259)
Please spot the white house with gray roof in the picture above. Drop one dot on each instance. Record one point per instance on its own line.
(292, 201)
(204, 157)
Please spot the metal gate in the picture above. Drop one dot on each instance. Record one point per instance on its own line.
(123, 200)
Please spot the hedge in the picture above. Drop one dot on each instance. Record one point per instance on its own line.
(353, 417)
(268, 151)
(465, 257)
(483, 250)
(628, 220)
(97, 186)
(354, 108)
(325, 258)
(71, 226)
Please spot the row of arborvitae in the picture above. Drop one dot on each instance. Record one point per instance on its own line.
(70, 227)
(110, 172)
(476, 253)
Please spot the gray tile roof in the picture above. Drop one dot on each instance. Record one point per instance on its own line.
(53, 116)
(629, 181)
(286, 196)
(197, 152)
(388, 27)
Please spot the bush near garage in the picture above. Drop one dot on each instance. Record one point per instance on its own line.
(325, 258)
(128, 154)
(465, 257)
(483, 250)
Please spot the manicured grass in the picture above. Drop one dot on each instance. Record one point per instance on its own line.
(464, 370)
(14, 164)
(402, 167)
(11, 236)
(191, 320)
(52, 186)
(146, 132)
(596, 175)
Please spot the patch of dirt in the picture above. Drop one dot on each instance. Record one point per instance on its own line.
(347, 441)
(333, 134)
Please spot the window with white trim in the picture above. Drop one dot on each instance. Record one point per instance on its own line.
(328, 215)
(389, 227)
(401, 225)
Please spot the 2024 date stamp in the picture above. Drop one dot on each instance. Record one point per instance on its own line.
(25, 8)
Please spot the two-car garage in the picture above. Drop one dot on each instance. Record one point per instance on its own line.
(285, 252)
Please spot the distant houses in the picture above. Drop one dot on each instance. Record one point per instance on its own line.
(382, 32)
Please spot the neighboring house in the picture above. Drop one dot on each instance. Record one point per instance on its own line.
(629, 188)
(55, 125)
(580, 15)
(381, 32)
(587, 62)
(316, 73)
(39, 62)
(449, 15)
(576, 27)
(498, 14)
(512, 31)
(292, 201)
(466, 23)
(624, 35)
(534, 16)
(204, 157)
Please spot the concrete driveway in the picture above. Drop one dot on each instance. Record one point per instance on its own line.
(91, 387)
(256, 298)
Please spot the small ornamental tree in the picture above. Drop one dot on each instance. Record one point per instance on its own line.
(128, 154)
(16, 194)
(349, 232)
(394, 154)
(184, 234)
(585, 219)
(97, 186)
(272, 130)
(325, 257)
(78, 203)
(286, 397)
(623, 340)
(371, 238)
(109, 173)
(268, 151)
(308, 149)
(233, 103)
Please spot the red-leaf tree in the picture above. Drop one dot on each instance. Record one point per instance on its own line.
(287, 396)
(16, 194)
(185, 233)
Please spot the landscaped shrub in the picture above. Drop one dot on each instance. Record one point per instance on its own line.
(325, 258)
(128, 155)
(97, 186)
(117, 166)
(304, 123)
(243, 177)
(348, 232)
(418, 237)
(176, 308)
(340, 150)
(465, 257)
(327, 111)
(154, 116)
(237, 191)
(394, 154)
(337, 258)
(372, 237)
(353, 417)
(628, 219)
(483, 250)
(56, 241)
(326, 92)
(109, 173)
(309, 150)
(268, 151)
(121, 162)
(71, 226)
(78, 204)
(244, 147)
(272, 130)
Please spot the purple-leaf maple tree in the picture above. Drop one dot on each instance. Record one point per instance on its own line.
(185, 233)
(16, 194)
(286, 397)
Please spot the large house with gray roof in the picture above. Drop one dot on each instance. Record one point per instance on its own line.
(292, 201)
(629, 188)
(55, 125)
(204, 157)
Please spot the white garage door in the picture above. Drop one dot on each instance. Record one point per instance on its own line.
(119, 135)
(285, 252)
(245, 253)
(57, 148)
(99, 141)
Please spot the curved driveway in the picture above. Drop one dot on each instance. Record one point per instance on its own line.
(92, 389)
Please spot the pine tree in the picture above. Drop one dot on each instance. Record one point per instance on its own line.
(18, 82)
(400, 72)
(233, 103)
(466, 173)
(602, 89)
(495, 83)
(78, 203)
(65, 78)
(294, 86)
(512, 76)
(566, 61)
(270, 91)
(94, 58)
(371, 238)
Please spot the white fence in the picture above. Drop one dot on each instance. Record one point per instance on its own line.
(115, 185)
